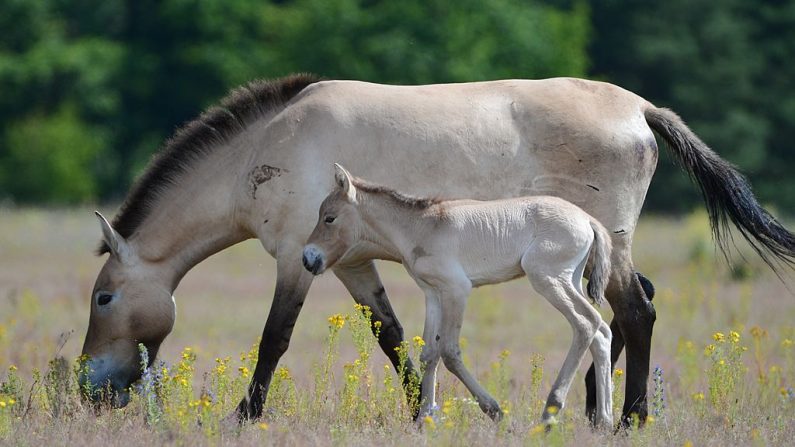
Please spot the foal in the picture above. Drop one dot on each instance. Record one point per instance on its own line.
(449, 247)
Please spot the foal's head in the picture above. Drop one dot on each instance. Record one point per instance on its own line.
(131, 303)
(337, 226)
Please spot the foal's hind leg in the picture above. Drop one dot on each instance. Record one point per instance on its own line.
(547, 273)
(616, 346)
(600, 351)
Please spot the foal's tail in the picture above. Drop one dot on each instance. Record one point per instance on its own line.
(726, 192)
(600, 262)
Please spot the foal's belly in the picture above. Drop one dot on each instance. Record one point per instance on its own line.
(483, 267)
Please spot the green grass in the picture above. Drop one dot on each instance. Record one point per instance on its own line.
(723, 347)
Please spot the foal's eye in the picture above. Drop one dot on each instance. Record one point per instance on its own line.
(104, 298)
(330, 219)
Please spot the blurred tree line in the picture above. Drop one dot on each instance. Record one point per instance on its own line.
(90, 89)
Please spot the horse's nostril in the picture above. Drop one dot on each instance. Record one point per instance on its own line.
(306, 263)
(316, 266)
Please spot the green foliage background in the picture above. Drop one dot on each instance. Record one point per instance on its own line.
(90, 89)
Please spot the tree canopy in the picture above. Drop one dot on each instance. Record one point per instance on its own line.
(89, 90)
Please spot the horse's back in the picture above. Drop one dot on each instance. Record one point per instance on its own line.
(584, 141)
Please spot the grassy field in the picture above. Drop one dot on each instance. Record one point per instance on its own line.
(723, 352)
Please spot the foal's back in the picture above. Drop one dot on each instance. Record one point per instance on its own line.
(489, 238)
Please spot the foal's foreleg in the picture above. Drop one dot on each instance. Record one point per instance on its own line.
(453, 301)
(431, 352)
(364, 285)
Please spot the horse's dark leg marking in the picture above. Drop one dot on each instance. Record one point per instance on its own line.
(635, 316)
(364, 285)
(292, 285)
(615, 351)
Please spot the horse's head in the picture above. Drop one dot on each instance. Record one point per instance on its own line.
(337, 227)
(131, 303)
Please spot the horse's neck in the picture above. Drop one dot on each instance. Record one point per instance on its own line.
(194, 218)
(393, 227)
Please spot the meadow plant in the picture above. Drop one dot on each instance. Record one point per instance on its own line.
(725, 371)
(536, 377)
(688, 359)
(618, 390)
(658, 396)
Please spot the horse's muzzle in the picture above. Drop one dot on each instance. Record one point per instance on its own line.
(313, 260)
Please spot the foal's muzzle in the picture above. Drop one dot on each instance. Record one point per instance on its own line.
(313, 259)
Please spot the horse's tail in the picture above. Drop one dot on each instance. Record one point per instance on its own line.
(600, 262)
(726, 192)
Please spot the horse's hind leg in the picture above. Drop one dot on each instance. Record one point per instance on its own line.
(364, 285)
(292, 285)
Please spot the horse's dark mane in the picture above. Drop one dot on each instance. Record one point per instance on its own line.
(201, 136)
(419, 203)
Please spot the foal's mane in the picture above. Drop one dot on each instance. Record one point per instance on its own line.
(418, 203)
(201, 136)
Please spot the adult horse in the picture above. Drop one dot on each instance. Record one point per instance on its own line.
(257, 166)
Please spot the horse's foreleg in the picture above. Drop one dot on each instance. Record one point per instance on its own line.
(364, 285)
(292, 285)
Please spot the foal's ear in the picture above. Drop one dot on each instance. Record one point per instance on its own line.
(118, 246)
(344, 182)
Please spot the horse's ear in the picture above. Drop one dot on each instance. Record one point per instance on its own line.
(344, 181)
(118, 246)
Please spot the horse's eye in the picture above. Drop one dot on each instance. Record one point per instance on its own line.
(330, 219)
(104, 298)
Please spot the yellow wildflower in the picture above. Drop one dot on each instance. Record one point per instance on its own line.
(283, 373)
(418, 341)
(708, 350)
(2, 404)
(377, 324)
(734, 336)
(718, 337)
(537, 430)
(786, 343)
(698, 397)
(263, 426)
(758, 332)
(429, 422)
(244, 372)
(688, 443)
(336, 321)
(784, 392)
(11, 401)
(553, 410)
(14, 368)
(649, 419)
(447, 407)
(619, 372)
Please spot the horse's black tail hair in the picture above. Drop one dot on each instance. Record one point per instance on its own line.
(727, 194)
